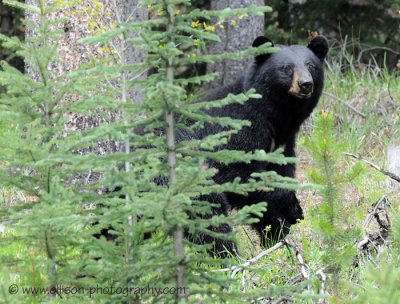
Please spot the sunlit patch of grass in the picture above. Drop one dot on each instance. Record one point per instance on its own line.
(372, 91)
(11, 196)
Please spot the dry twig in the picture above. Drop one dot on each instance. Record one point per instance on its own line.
(236, 269)
(383, 171)
(346, 104)
(302, 264)
(322, 276)
(303, 269)
(376, 227)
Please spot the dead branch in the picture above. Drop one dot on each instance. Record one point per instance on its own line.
(377, 48)
(376, 227)
(383, 171)
(381, 204)
(345, 103)
(236, 269)
(283, 299)
(243, 280)
(302, 264)
(303, 269)
(322, 276)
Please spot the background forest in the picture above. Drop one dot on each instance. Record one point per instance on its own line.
(79, 76)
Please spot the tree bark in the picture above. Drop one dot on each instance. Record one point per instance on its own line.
(393, 158)
(73, 54)
(5, 19)
(134, 12)
(171, 141)
(234, 37)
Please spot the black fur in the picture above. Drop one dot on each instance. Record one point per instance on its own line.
(275, 120)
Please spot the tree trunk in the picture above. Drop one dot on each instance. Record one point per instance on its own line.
(234, 37)
(393, 159)
(5, 19)
(81, 24)
(132, 12)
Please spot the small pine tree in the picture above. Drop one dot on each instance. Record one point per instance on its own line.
(332, 220)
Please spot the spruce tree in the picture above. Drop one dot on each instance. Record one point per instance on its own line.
(151, 193)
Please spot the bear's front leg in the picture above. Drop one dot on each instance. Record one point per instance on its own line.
(283, 210)
(219, 247)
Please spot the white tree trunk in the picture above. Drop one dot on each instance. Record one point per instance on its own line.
(393, 158)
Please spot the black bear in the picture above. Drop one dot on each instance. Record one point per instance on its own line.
(290, 82)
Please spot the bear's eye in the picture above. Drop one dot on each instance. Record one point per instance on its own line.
(310, 66)
(287, 69)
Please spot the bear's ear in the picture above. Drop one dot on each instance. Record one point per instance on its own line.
(259, 41)
(319, 46)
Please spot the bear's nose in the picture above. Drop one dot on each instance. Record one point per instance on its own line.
(306, 86)
(299, 212)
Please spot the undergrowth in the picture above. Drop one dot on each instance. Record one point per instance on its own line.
(362, 104)
(368, 128)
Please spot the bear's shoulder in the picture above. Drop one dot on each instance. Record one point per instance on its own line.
(235, 88)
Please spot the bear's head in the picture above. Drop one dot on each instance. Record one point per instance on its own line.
(293, 73)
